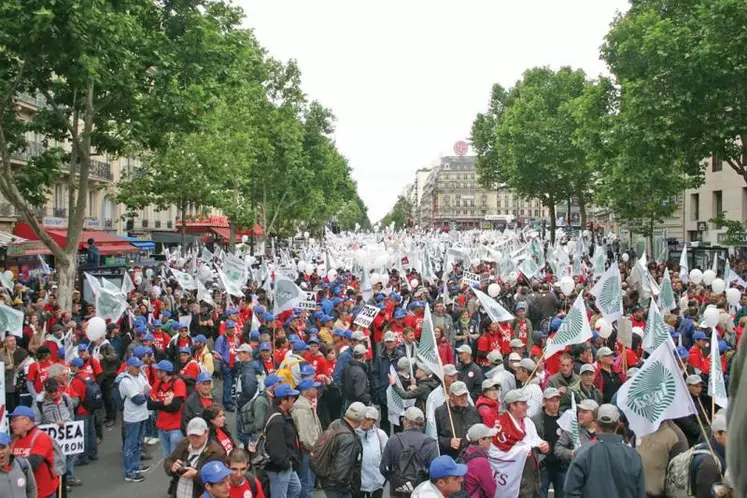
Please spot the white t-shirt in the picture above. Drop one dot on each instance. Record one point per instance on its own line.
(130, 387)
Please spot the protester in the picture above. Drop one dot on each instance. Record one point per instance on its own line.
(373, 440)
(479, 481)
(565, 448)
(453, 420)
(185, 463)
(546, 423)
(282, 444)
(168, 397)
(469, 372)
(134, 389)
(309, 428)
(344, 478)
(36, 447)
(242, 483)
(446, 477)
(16, 475)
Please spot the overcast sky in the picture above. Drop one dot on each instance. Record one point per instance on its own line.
(405, 78)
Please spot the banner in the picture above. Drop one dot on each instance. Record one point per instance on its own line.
(310, 302)
(110, 305)
(496, 312)
(716, 385)
(428, 348)
(233, 275)
(69, 437)
(508, 467)
(3, 410)
(574, 330)
(366, 316)
(11, 320)
(470, 279)
(287, 294)
(608, 293)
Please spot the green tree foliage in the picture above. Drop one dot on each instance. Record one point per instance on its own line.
(400, 215)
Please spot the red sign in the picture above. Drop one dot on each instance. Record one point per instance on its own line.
(204, 221)
(461, 148)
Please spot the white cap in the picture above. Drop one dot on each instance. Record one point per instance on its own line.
(414, 414)
(693, 380)
(514, 357)
(464, 349)
(488, 383)
(359, 349)
(516, 343)
(528, 364)
(356, 411)
(196, 427)
(458, 388)
(495, 357)
(372, 413)
(390, 337)
(587, 367)
(480, 431)
(450, 369)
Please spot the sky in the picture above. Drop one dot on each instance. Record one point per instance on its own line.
(405, 79)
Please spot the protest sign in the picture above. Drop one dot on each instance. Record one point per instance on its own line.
(69, 436)
(366, 317)
(470, 279)
(310, 302)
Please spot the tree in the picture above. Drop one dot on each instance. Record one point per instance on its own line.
(483, 138)
(682, 65)
(400, 214)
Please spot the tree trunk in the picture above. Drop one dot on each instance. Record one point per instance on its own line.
(65, 268)
(582, 210)
(231, 237)
(553, 223)
(183, 228)
(651, 240)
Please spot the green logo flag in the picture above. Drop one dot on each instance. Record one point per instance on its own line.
(575, 436)
(11, 320)
(608, 294)
(716, 385)
(667, 301)
(185, 280)
(396, 406)
(427, 347)
(574, 330)
(656, 393)
(110, 304)
(496, 312)
(287, 294)
(656, 330)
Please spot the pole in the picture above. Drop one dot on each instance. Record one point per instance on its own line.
(448, 401)
(625, 360)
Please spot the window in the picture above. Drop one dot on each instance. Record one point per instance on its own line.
(694, 207)
(58, 201)
(716, 164)
(718, 202)
(91, 203)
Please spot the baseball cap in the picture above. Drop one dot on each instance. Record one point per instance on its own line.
(197, 427)
(520, 307)
(495, 357)
(244, 348)
(514, 357)
(464, 349)
(271, 380)
(214, 472)
(356, 411)
(371, 413)
(400, 313)
(480, 431)
(413, 414)
(516, 343)
(608, 414)
(51, 385)
(717, 425)
(4, 439)
(390, 337)
(201, 339)
(307, 384)
(230, 324)
(254, 335)
(265, 346)
(307, 370)
(358, 336)
(445, 466)
(699, 336)
(285, 390)
(528, 364)
(588, 405)
(586, 367)
(458, 388)
(488, 383)
(550, 393)
(605, 351)
(683, 353)
(23, 411)
(149, 337)
(134, 362)
(359, 349)
(82, 347)
(77, 362)
(450, 369)
(203, 377)
(313, 340)
(185, 350)
(693, 380)
(515, 396)
(164, 365)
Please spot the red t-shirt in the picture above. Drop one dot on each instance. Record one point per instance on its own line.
(38, 374)
(505, 333)
(245, 490)
(319, 362)
(46, 480)
(280, 355)
(53, 348)
(485, 344)
(523, 330)
(224, 440)
(78, 390)
(233, 344)
(191, 369)
(169, 421)
(160, 340)
(206, 402)
(269, 365)
(92, 367)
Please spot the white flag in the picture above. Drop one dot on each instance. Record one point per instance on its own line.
(667, 302)
(684, 270)
(11, 320)
(496, 312)
(508, 467)
(233, 275)
(656, 330)
(568, 421)
(394, 402)
(608, 294)
(185, 280)
(110, 305)
(427, 346)
(45, 267)
(716, 385)
(574, 330)
(657, 392)
(93, 282)
(203, 294)
(366, 287)
(435, 399)
(127, 284)
(287, 294)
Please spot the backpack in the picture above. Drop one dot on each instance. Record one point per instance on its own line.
(680, 475)
(246, 414)
(59, 467)
(93, 398)
(258, 451)
(410, 470)
(320, 458)
(117, 398)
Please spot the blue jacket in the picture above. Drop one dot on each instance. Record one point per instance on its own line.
(380, 374)
(248, 382)
(686, 330)
(342, 362)
(221, 347)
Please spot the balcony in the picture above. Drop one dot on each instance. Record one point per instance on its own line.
(169, 224)
(108, 223)
(57, 212)
(36, 101)
(32, 150)
(144, 223)
(99, 169)
(157, 224)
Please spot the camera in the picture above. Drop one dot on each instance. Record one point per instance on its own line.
(180, 470)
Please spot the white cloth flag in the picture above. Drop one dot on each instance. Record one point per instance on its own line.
(396, 406)
(127, 284)
(233, 275)
(93, 282)
(496, 312)
(11, 320)
(656, 330)
(185, 280)
(716, 385)
(435, 399)
(110, 286)
(608, 294)
(366, 287)
(574, 330)
(657, 392)
(110, 305)
(427, 346)
(287, 294)
(509, 465)
(684, 270)
(667, 302)
(204, 295)
(568, 421)
(7, 282)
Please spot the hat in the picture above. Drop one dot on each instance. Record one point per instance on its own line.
(203, 377)
(57, 327)
(307, 370)
(165, 366)
(359, 350)
(358, 336)
(265, 346)
(400, 313)
(356, 411)
(197, 427)
(723, 346)
(480, 431)
(267, 317)
(588, 405)
(450, 369)
(515, 396)
(556, 323)
(77, 362)
(4, 439)
(586, 367)
(135, 362)
(608, 414)
(271, 380)
(514, 357)
(445, 466)
(717, 425)
(244, 348)
(528, 364)
(185, 350)
(605, 351)
(285, 390)
(516, 343)
(51, 385)
(488, 383)
(139, 351)
(214, 472)
(458, 388)
(230, 324)
(683, 353)
(693, 380)
(390, 337)
(699, 336)
(307, 384)
(201, 339)
(313, 340)
(23, 411)
(423, 366)
(413, 414)
(371, 413)
(338, 332)
(464, 348)
(495, 357)
(82, 347)
(254, 335)
(520, 307)
(550, 393)
(231, 311)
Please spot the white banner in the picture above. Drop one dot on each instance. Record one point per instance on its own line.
(366, 316)
(310, 302)
(470, 279)
(3, 415)
(507, 468)
(69, 437)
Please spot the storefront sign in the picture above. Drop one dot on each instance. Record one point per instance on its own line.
(204, 221)
(93, 224)
(115, 261)
(54, 222)
(29, 248)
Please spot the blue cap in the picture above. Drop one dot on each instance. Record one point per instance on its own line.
(313, 331)
(594, 335)
(445, 466)
(82, 347)
(521, 306)
(157, 324)
(23, 411)
(180, 326)
(214, 472)
(134, 362)
(138, 351)
(700, 336)
(399, 313)
(313, 340)
(166, 313)
(683, 353)
(267, 317)
(265, 346)
(204, 377)
(142, 329)
(379, 297)
(258, 310)
(307, 370)
(339, 332)
(231, 311)
(201, 339)
(140, 320)
(164, 365)
(723, 346)
(271, 380)
(293, 338)
(146, 351)
(347, 334)
(149, 337)
(185, 350)
(284, 390)
(556, 323)
(307, 384)
(230, 324)
(318, 315)
(327, 318)
(336, 301)
(300, 346)
(254, 335)
(4, 439)
(61, 353)
(297, 311)
(77, 362)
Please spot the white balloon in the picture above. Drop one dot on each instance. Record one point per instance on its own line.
(205, 273)
(244, 239)
(494, 289)
(603, 327)
(360, 256)
(696, 276)
(149, 272)
(414, 283)
(710, 316)
(382, 261)
(301, 266)
(709, 276)
(733, 296)
(375, 278)
(513, 277)
(306, 235)
(638, 331)
(309, 269)
(718, 285)
(321, 269)
(312, 240)
(8, 274)
(567, 285)
(625, 257)
(96, 328)
(332, 274)
(138, 279)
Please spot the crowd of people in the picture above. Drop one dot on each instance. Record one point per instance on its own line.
(312, 390)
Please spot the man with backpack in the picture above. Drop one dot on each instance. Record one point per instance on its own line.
(338, 466)
(307, 422)
(408, 455)
(133, 390)
(16, 477)
(198, 400)
(355, 377)
(247, 385)
(479, 482)
(168, 396)
(254, 413)
(281, 445)
(87, 398)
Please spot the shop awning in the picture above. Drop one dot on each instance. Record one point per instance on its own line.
(173, 238)
(225, 233)
(106, 242)
(142, 245)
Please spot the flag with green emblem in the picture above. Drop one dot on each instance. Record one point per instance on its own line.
(716, 384)
(656, 330)
(667, 302)
(608, 294)
(427, 346)
(574, 330)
